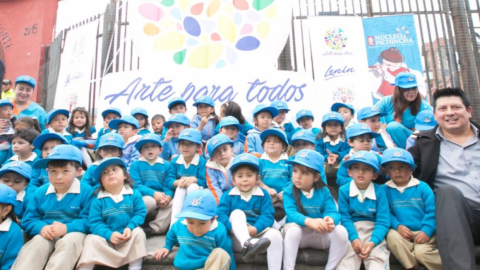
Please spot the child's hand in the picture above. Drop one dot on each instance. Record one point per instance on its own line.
(272, 192)
(357, 246)
(317, 224)
(47, 233)
(346, 158)
(405, 232)
(168, 135)
(164, 203)
(252, 231)
(116, 238)
(127, 233)
(421, 238)
(189, 180)
(330, 223)
(158, 197)
(280, 196)
(160, 254)
(367, 248)
(203, 122)
(59, 229)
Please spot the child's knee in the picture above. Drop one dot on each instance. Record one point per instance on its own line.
(238, 215)
(192, 187)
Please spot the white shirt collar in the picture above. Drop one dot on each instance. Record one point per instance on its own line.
(212, 227)
(337, 141)
(195, 161)
(215, 165)
(159, 160)
(283, 156)
(411, 183)
(126, 190)
(31, 158)
(309, 195)
(5, 226)
(256, 191)
(133, 139)
(50, 129)
(369, 193)
(21, 195)
(79, 130)
(74, 188)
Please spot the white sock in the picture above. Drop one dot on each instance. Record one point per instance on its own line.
(178, 198)
(88, 266)
(136, 265)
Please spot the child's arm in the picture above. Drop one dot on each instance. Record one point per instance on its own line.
(266, 218)
(97, 224)
(291, 208)
(32, 221)
(134, 155)
(382, 223)
(166, 187)
(35, 179)
(224, 210)
(330, 209)
(172, 176)
(166, 152)
(135, 172)
(344, 206)
(343, 151)
(342, 175)
(139, 211)
(250, 145)
(87, 177)
(201, 173)
(12, 248)
(213, 184)
(320, 148)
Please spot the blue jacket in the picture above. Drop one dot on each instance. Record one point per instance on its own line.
(342, 173)
(65, 134)
(193, 251)
(150, 178)
(208, 130)
(408, 120)
(320, 205)
(253, 143)
(178, 170)
(12, 242)
(414, 208)
(341, 148)
(130, 153)
(275, 175)
(170, 149)
(377, 211)
(218, 179)
(23, 203)
(88, 176)
(35, 111)
(39, 178)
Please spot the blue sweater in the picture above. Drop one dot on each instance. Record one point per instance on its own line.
(12, 242)
(193, 251)
(39, 178)
(253, 143)
(170, 149)
(44, 209)
(88, 176)
(259, 209)
(342, 173)
(208, 130)
(178, 170)
(107, 217)
(320, 205)
(21, 206)
(414, 208)
(341, 148)
(275, 175)
(143, 131)
(217, 180)
(377, 211)
(150, 178)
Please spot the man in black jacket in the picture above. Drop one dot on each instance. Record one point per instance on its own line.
(448, 159)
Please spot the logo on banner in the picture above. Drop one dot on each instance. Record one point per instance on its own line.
(336, 39)
(344, 94)
(400, 37)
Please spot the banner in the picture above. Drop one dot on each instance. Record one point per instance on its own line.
(392, 47)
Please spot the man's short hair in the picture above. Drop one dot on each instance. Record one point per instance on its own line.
(451, 92)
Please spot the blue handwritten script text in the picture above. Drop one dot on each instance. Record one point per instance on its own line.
(161, 91)
(332, 73)
(260, 91)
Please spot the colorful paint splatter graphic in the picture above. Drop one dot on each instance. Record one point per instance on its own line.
(336, 39)
(344, 94)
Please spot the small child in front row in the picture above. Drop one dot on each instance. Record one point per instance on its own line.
(150, 172)
(23, 146)
(348, 113)
(57, 215)
(175, 125)
(108, 115)
(127, 126)
(412, 234)
(142, 117)
(116, 214)
(365, 214)
(6, 115)
(205, 120)
(10, 232)
(218, 176)
(187, 171)
(425, 120)
(305, 121)
(203, 241)
(280, 121)
(57, 122)
(262, 117)
(312, 215)
(371, 117)
(247, 213)
(16, 175)
(157, 124)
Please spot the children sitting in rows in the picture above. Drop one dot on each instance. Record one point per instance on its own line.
(262, 117)
(127, 127)
(108, 115)
(10, 232)
(371, 117)
(219, 178)
(142, 117)
(23, 146)
(17, 175)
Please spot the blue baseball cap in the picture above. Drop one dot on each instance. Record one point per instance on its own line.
(245, 159)
(6, 102)
(274, 132)
(191, 135)
(406, 80)
(280, 105)
(26, 79)
(309, 158)
(425, 120)
(176, 100)
(125, 119)
(230, 121)
(364, 157)
(368, 112)
(332, 116)
(19, 167)
(42, 138)
(55, 112)
(60, 152)
(104, 164)
(111, 139)
(204, 100)
(178, 118)
(217, 141)
(360, 129)
(112, 110)
(303, 135)
(337, 106)
(399, 155)
(149, 138)
(304, 113)
(264, 108)
(139, 111)
(199, 204)
(8, 195)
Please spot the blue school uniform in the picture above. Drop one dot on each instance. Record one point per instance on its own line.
(170, 149)
(197, 168)
(374, 207)
(150, 178)
(143, 131)
(193, 251)
(29, 160)
(39, 178)
(72, 210)
(342, 173)
(339, 147)
(65, 134)
(35, 111)
(413, 208)
(253, 143)
(208, 130)
(219, 178)
(23, 198)
(88, 176)
(12, 241)
(81, 133)
(258, 208)
(275, 175)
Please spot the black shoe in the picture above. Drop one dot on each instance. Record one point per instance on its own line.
(250, 251)
(148, 231)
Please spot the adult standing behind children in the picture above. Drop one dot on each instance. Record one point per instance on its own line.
(448, 159)
(7, 90)
(22, 106)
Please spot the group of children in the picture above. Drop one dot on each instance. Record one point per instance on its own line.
(215, 185)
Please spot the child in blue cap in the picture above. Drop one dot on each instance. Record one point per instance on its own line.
(312, 217)
(411, 237)
(57, 122)
(23, 146)
(280, 121)
(205, 120)
(232, 128)
(16, 175)
(262, 117)
(175, 125)
(57, 214)
(187, 171)
(116, 213)
(150, 173)
(175, 105)
(425, 120)
(347, 111)
(231, 108)
(108, 115)
(203, 241)
(365, 214)
(371, 116)
(127, 127)
(302, 139)
(7, 116)
(218, 175)
(142, 117)
(247, 212)
(10, 232)
(305, 121)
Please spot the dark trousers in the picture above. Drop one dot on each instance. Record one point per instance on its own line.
(458, 229)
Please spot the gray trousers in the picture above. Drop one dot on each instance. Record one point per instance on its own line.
(458, 229)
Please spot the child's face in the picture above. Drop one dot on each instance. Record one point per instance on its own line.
(109, 117)
(333, 128)
(223, 154)
(179, 108)
(302, 178)
(305, 122)
(188, 149)
(142, 120)
(150, 151)
(204, 110)
(112, 177)
(199, 227)
(59, 123)
(21, 125)
(346, 113)
(230, 131)
(14, 181)
(362, 174)
(79, 120)
(263, 120)
(62, 177)
(48, 145)
(126, 130)
(109, 151)
(399, 172)
(280, 117)
(245, 178)
(300, 145)
(273, 146)
(176, 129)
(362, 142)
(4, 210)
(373, 122)
(157, 125)
(391, 65)
(6, 112)
(21, 147)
